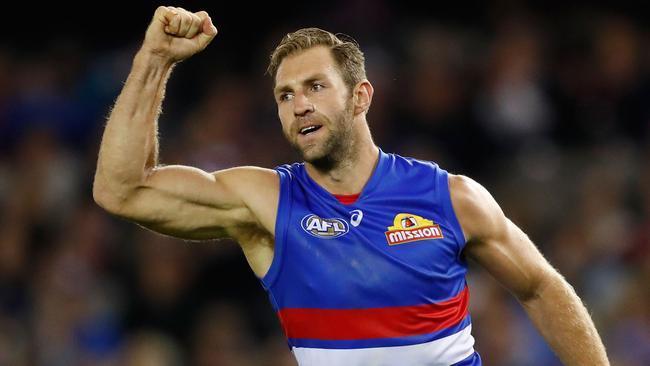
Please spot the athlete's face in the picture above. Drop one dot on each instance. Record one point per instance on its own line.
(314, 106)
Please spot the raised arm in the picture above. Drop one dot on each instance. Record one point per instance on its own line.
(176, 200)
(508, 254)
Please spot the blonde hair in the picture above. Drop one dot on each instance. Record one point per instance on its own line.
(345, 50)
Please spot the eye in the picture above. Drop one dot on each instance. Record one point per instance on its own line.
(285, 97)
(317, 87)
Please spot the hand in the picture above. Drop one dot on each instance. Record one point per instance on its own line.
(176, 34)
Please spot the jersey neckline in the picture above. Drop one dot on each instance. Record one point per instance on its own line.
(371, 184)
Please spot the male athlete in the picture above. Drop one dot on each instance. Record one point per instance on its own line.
(362, 252)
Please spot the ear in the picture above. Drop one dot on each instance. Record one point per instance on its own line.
(362, 96)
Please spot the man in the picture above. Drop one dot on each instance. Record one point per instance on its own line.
(362, 252)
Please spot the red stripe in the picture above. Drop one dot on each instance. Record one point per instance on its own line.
(347, 199)
(389, 322)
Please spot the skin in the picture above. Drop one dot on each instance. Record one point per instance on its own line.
(242, 202)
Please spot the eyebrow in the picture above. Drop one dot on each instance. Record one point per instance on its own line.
(286, 88)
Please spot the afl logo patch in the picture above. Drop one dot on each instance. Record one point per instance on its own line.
(324, 228)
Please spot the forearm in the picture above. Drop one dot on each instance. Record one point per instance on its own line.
(129, 145)
(562, 319)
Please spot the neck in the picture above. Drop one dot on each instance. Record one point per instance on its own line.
(351, 174)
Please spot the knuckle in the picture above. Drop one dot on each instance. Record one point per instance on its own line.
(186, 21)
(161, 11)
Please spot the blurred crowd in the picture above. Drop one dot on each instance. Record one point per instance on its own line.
(550, 113)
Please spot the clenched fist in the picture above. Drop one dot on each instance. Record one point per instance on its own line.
(176, 34)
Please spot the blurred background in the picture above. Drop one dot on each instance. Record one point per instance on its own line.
(547, 105)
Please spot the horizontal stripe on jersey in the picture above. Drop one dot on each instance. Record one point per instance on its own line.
(386, 322)
(440, 352)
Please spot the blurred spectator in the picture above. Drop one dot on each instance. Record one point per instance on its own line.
(151, 348)
(513, 108)
(221, 337)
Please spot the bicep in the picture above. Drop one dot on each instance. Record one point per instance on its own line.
(189, 203)
(495, 242)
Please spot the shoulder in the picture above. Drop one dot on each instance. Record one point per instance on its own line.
(258, 189)
(289, 170)
(477, 211)
(405, 166)
(246, 175)
(249, 182)
(408, 161)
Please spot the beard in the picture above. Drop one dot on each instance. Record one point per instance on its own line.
(335, 147)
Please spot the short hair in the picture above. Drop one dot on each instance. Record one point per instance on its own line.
(345, 51)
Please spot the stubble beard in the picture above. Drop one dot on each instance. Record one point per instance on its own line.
(337, 145)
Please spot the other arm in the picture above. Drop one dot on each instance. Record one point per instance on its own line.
(508, 254)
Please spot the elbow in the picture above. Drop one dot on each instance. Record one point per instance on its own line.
(549, 280)
(115, 193)
(105, 200)
(108, 198)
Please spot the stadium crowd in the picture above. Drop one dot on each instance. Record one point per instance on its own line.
(550, 113)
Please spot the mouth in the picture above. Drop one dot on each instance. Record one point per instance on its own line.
(309, 129)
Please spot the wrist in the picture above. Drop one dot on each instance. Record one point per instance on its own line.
(149, 69)
(149, 58)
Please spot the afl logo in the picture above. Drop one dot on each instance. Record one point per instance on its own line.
(324, 228)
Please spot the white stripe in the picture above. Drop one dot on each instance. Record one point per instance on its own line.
(440, 352)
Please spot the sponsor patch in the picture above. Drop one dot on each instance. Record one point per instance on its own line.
(408, 227)
(324, 228)
(355, 217)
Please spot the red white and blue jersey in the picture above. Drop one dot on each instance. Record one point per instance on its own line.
(377, 282)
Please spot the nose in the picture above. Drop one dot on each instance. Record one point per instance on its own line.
(301, 105)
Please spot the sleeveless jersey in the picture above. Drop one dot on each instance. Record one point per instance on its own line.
(378, 282)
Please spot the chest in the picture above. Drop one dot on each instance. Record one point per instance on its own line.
(362, 238)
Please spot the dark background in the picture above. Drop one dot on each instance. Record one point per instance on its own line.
(547, 104)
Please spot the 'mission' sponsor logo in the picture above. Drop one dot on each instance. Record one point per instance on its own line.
(407, 228)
